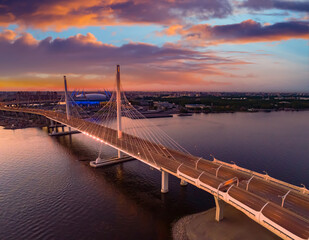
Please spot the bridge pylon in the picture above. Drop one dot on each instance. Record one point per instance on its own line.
(67, 107)
(118, 98)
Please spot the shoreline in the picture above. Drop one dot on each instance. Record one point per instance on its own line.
(235, 225)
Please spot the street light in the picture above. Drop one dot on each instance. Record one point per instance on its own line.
(197, 162)
(266, 175)
(217, 169)
(234, 164)
(283, 197)
(248, 181)
(304, 188)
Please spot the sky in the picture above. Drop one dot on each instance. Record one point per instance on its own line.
(162, 45)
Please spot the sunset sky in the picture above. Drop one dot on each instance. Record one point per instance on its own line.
(202, 45)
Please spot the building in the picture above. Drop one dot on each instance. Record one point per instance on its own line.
(90, 98)
(195, 106)
(163, 105)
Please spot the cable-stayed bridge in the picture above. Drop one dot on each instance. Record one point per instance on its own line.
(278, 206)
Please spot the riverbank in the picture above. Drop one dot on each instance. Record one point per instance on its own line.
(8, 122)
(235, 225)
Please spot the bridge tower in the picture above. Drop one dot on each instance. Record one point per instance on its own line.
(66, 98)
(67, 107)
(118, 98)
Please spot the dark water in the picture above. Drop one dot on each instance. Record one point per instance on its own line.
(48, 191)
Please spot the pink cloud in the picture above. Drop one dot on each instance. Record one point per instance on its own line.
(27, 60)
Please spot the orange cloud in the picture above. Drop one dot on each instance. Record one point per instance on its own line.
(59, 15)
(28, 39)
(29, 63)
(173, 30)
(88, 39)
(247, 31)
(8, 35)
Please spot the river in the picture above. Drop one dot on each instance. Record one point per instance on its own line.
(48, 190)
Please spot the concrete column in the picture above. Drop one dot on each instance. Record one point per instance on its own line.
(164, 182)
(52, 124)
(119, 154)
(183, 183)
(219, 209)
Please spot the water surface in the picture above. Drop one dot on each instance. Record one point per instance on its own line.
(48, 190)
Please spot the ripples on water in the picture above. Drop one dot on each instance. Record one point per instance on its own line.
(48, 191)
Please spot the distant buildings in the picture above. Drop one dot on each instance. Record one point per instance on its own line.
(195, 106)
(36, 96)
(163, 105)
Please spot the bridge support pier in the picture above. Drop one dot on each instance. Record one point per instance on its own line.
(219, 209)
(120, 155)
(183, 183)
(164, 182)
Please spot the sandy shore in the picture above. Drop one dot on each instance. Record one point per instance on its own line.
(234, 226)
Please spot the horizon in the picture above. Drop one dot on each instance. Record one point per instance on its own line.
(159, 91)
(202, 46)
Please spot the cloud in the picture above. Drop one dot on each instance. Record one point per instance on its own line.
(247, 31)
(86, 57)
(59, 15)
(300, 6)
(7, 35)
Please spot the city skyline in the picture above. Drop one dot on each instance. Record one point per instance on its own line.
(168, 45)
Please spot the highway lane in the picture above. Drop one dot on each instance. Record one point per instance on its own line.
(287, 220)
(210, 180)
(247, 198)
(267, 190)
(297, 203)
